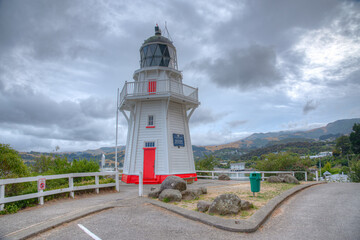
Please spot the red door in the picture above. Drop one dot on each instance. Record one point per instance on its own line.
(149, 163)
(152, 87)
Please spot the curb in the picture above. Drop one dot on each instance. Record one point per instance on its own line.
(53, 223)
(249, 225)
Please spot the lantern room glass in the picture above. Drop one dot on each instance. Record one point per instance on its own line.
(158, 55)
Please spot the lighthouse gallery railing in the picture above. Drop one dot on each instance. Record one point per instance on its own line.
(158, 87)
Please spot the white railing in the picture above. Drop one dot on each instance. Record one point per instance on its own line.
(240, 175)
(41, 194)
(149, 88)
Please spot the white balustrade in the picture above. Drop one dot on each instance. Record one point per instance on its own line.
(160, 87)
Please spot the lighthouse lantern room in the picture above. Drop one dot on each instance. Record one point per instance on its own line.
(157, 107)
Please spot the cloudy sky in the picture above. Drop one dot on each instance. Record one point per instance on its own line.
(260, 66)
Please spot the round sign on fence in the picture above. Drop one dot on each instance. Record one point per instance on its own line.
(41, 184)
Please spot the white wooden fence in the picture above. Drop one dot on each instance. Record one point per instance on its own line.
(215, 174)
(41, 194)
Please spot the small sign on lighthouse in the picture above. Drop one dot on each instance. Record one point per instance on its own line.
(158, 106)
(179, 140)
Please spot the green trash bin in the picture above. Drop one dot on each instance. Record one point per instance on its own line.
(255, 179)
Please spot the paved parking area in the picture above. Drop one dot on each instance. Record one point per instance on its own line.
(327, 211)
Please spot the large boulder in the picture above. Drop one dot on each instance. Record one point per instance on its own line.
(154, 193)
(203, 206)
(225, 204)
(190, 194)
(224, 177)
(245, 205)
(173, 182)
(170, 195)
(290, 179)
(274, 179)
(203, 190)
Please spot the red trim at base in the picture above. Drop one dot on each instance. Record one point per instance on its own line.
(150, 126)
(157, 180)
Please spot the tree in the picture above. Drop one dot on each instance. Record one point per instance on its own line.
(11, 165)
(343, 144)
(355, 139)
(207, 163)
(83, 165)
(355, 172)
(284, 161)
(42, 164)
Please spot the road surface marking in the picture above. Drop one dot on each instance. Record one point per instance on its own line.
(93, 236)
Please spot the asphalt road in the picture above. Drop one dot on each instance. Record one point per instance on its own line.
(327, 211)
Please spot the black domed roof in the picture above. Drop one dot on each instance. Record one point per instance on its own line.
(158, 38)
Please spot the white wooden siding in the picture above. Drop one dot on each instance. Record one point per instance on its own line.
(150, 134)
(179, 157)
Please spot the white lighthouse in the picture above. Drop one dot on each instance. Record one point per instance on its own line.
(158, 106)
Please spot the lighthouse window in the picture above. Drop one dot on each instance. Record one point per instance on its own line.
(150, 120)
(149, 144)
(158, 52)
(158, 55)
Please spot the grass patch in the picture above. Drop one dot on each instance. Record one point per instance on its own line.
(166, 200)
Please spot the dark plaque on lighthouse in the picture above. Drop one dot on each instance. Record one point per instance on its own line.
(178, 140)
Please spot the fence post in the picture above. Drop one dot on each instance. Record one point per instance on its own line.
(2, 196)
(317, 176)
(305, 176)
(140, 184)
(262, 176)
(97, 184)
(41, 199)
(212, 175)
(40, 191)
(117, 182)
(293, 173)
(71, 186)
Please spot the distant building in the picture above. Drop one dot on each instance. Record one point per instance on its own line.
(320, 155)
(237, 166)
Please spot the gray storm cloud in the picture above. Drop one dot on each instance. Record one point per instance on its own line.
(310, 105)
(247, 68)
(38, 115)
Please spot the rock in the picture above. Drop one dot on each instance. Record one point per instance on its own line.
(170, 195)
(152, 188)
(274, 179)
(203, 206)
(225, 204)
(190, 194)
(203, 190)
(290, 179)
(198, 191)
(245, 205)
(154, 192)
(173, 182)
(224, 177)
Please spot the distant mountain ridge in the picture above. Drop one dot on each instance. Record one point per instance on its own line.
(252, 142)
(257, 140)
